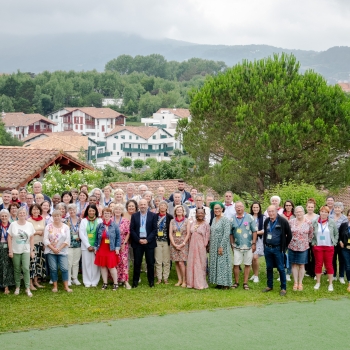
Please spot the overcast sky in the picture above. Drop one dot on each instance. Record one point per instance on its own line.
(294, 24)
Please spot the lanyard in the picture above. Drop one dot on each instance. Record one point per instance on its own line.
(106, 229)
(183, 199)
(74, 227)
(5, 232)
(272, 227)
(118, 223)
(106, 204)
(179, 226)
(161, 223)
(239, 223)
(143, 220)
(323, 228)
(92, 228)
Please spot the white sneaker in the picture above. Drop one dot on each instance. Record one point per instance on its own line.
(51, 282)
(76, 282)
(288, 278)
(252, 278)
(341, 280)
(69, 283)
(16, 292)
(278, 279)
(315, 278)
(127, 285)
(29, 293)
(317, 286)
(330, 288)
(256, 279)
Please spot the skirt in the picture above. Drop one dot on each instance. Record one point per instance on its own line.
(259, 247)
(37, 264)
(6, 267)
(299, 258)
(105, 257)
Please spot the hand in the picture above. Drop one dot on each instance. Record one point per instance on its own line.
(10, 254)
(117, 252)
(32, 255)
(341, 244)
(220, 251)
(91, 249)
(253, 248)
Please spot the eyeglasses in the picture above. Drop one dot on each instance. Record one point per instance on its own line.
(288, 205)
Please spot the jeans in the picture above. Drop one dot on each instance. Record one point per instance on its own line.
(274, 256)
(338, 254)
(289, 267)
(56, 260)
(346, 256)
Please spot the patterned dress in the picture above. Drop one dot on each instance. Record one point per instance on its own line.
(6, 267)
(197, 256)
(220, 266)
(37, 264)
(179, 255)
(123, 270)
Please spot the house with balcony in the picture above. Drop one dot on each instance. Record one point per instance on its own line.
(20, 125)
(167, 117)
(140, 142)
(91, 121)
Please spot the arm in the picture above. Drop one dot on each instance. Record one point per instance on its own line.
(133, 229)
(311, 232)
(9, 242)
(66, 242)
(187, 210)
(170, 233)
(336, 233)
(153, 233)
(227, 232)
(99, 230)
(31, 241)
(288, 232)
(255, 237)
(117, 239)
(188, 235)
(83, 235)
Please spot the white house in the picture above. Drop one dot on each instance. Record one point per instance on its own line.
(91, 121)
(167, 117)
(112, 102)
(140, 142)
(20, 125)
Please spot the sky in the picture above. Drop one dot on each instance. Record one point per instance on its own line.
(293, 24)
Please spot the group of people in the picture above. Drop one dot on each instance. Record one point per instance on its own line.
(102, 231)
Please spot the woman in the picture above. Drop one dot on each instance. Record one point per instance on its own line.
(124, 231)
(66, 197)
(87, 235)
(323, 242)
(62, 207)
(162, 251)
(276, 201)
(13, 209)
(107, 191)
(339, 219)
(45, 208)
(21, 249)
(288, 210)
(6, 267)
(310, 210)
(56, 240)
(75, 195)
(74, 250)
(344, 242)
(156, 202)
(255, 211)
(107, 246)
(97, 192)
(197, 254)
(39, 198)
(84, 188)
(83, 203)
(131, 208)
(111, 206)
(37, 264)
(148, 196)
(302, 233)
(179, 236)
(220, 265)
(119, 196)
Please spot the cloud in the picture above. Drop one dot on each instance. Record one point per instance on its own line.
(297, 24)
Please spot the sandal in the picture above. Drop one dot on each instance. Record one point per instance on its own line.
(37, 285)
(6, 291)
(54, 290)
(295, 287)
(236, 285)
(104, 286)
(178, 284)
(245, 286)
(300, 287)
(348, 289)
(115, 286)
(184, 285)
(68, 290)
(166, 282)
(159, 282)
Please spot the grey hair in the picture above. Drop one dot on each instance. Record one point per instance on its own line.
(5, 211)
(21, 209)
(56, 212)
(62, 205)
(340, 205)
(164, 202)
(275, 197)
(299, 207)
(72, 206)
(199, 195)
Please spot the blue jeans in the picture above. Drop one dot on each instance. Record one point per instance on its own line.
(346, 256)
(55, 261)
(289, 268)
(274, 257)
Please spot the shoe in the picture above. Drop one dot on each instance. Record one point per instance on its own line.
(256, 279)
(76, 282)
(104, 286)
(306, 275)
(87, 285)
(115, 287)
(127, 285)
(166, 282)
(51, 282)
(94, 285)
(151, 285)
(278, 279)
(134, 285)
(267, 289)
(330, 288)
(159, 282)
(283, 293)
(288, 278)
(300, 287)
(317, 286)
(16, 292)
(54, 290)
(140, 280)
(29, 293)
(252, 278)
(315, 278)
(37, 285)
(69, 283)
(341, 280)
(178, 284)
(295, 287)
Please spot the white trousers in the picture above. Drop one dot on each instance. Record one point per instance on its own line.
(74, 255)
(91, 272)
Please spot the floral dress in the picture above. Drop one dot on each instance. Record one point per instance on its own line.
(179, 232)
(123, 269)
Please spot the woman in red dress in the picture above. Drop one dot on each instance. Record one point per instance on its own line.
(107, 246)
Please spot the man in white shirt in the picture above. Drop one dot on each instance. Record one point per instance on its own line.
(199, 200)
(230, 210)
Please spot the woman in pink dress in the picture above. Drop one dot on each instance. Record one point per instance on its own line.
(197, 254)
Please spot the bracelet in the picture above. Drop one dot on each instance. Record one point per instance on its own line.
(254, 243)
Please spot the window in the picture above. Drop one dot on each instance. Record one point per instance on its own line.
(103, 128)
(138, 154)
(56, 117)
(129, 154)
(154, 137)
(98, 134)
(123, 137)
(117, 153)
(160, 147)
(81, 127)
(81, 120)
(121, 147)
(139, 146)
(130, 137)
(76, 120)
(116, 137)
(76, 126)
(147, 155)
(137, 137)
(17, 128)
(114, 146)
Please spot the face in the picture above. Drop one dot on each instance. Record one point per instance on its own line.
(66, 198)
(324, 214)
(21, 215)
(91, 213)
(82, 197)
(228, 197)
(13, 211)
(337, 210)
(130, 190)
(217, 210)
(14, 194)
(92, 200)
(30, 199)
(193, 192)
(163, 208)
(143, 205)
(6, 198)
(310, 208)
(56, 218)
(107, 192)
(143, 189)
(330, 202)
(107, 215)
(256, 208)
(75, 196)
(161, 191)
(156, 202)
(97, 194)
(111, 206)
(349, 217)
(39, 199)
(131, 208)
(56, 199)
(148, 197)
(177, 198)
(45, 207)
(84, 188)
(118, 211)
(23, 195)
(4, 218)
(37, 188)
(275, 202)
(72, 212)
(63, 211)
(35, 212)
(200, 214)
(181, 186)
(118, 196)
(299, 213)
(179, 212)
(288, 206)
(272, 212)
(209, 200)
(239, 208)
(199, 202)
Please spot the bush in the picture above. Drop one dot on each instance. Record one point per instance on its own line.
(138, 163)
(299, 193)
(151, 162)
(126, 162)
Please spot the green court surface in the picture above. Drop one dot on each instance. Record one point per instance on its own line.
(298, 325)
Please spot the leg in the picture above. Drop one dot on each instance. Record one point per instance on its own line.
(318, 254)
(183, 272)
(295, 271)
(138, 254)
(158, 255)
(279, 258)
(246, 273)
(236, 272)
(70, 263)
(63, 264)
(178, 272)
(301, 274)
(237, 261)
(247, 261)
(346, 257)
(114, 275)
(16, 260)
(255, 264)
(328, 253)
(25, 257)
(149, 254)
(269, 266)
(104, 273)
(75, 263)
(52, 259)
(334, 262)
(166, 262)
(341, 262)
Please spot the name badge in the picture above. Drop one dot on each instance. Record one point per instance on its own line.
(239, 230)
(178, 234)
(269, 236)
(5, 245)
(75, 236)
(90, 235)
(322, 238)
(348, 241)
(160, 233)
(107, 241)
(142, 232)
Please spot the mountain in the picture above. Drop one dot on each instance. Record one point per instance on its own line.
(84, 51)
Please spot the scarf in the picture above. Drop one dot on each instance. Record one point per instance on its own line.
(321, 221)
(107, 223)
(91, 219)
(39, 218)
(161, 215)
(288, 216)
(178, 220)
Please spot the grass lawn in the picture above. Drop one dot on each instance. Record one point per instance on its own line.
(46, 309)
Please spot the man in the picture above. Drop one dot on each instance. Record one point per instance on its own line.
(142, 189)
(209, 199)
(230, 210)
(56, 198)
(277, 236)
(177, 201)
(130, 192)
(143, 230)
(6, 200)
(191, 202)
(29, 199)
(161, 193)
(243, 241)
(37, 188)
(330, 205)
(181, 188)
(199, 202)
(23, 197)
(14, 196)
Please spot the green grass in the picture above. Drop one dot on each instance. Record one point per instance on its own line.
(134, 123)
(46, 309)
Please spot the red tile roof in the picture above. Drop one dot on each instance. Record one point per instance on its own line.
(143, 131)
(98, 113)
(22, 119)
(48, 134)
(19, 165)
(180, 112)
(345, 86)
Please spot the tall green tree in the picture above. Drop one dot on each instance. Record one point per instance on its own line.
(6, 139)
(264, 122)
